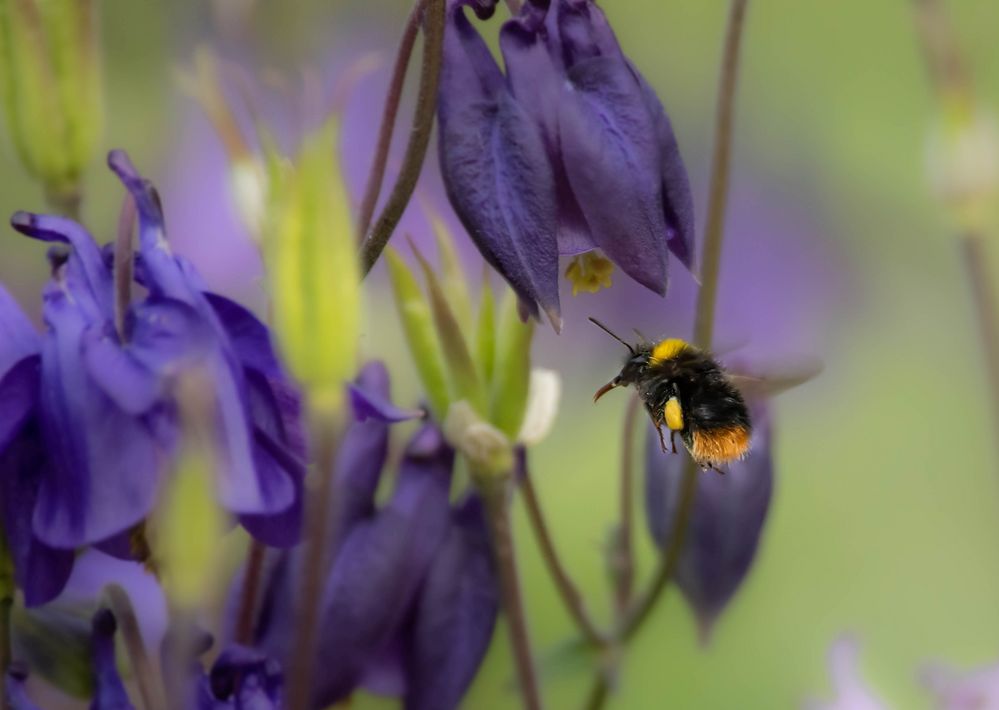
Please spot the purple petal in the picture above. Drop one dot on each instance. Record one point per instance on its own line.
(248, 679)
(728, 517)
(249, 337)
(109, 692)
(368, 405)
(41, 572)
(87, 273)
(381, 565)
(14, 687)
(611, 156)
(496, 170)
(105, 464)
(455, 616)
(18, 338)
(18, 396)
(678, 201)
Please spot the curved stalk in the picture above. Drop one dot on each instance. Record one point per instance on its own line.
(419, 139)
(374, 185)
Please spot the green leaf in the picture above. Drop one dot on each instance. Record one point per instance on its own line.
(452, 275)
(485, 336)
(513, 369)
(417, 324)
(465, 380)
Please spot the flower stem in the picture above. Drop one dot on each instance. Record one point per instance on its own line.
(571, 597)
(389, 114)
(128, 625)
(714, 229)
(317, 544)
(249, 592)
(624, 554)
(416, 151)
(983, 293)
(497, 502)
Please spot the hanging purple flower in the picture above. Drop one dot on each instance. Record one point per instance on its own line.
(106, 412)
(570, 153)
(410, 599)
(724, 530)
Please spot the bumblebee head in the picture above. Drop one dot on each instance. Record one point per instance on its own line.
(634, 368)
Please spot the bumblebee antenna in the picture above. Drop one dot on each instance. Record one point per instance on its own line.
(612, 334)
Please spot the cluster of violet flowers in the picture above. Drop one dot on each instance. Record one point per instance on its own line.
(152, 416)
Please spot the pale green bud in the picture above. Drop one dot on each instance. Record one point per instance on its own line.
(312, 266)
(50, 85)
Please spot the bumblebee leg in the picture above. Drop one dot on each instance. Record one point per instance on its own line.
(662, 440)
(672, 439)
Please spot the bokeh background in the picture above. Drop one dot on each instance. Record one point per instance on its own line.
(885, 520)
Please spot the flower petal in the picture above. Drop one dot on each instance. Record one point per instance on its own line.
(105, 465)
(381, 565)
(496, 170)
(18, 396)
(18, 338)
(41, 572)
(611, 157)
(455, 615)
(678, 201)
(109, 691)
(725, 526)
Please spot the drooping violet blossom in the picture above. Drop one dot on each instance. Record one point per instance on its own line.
(569, 153)
(410, 599)
(724, 528)
(106, 410)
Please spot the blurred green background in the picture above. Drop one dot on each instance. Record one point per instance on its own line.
(886, 512)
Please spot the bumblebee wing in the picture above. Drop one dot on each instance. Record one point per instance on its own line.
(762, 384)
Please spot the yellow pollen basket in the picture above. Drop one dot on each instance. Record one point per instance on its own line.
(667, 350)
(673, 413)
(589, 272)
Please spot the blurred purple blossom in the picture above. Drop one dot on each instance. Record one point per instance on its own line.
(410, 588)
(977, 689)
(724, 529)
(850, 691)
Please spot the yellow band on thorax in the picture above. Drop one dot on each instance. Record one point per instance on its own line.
(667, 349)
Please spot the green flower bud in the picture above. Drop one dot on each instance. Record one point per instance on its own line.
(513, 369)
(188, 525)
(313, 268)
(50, 85)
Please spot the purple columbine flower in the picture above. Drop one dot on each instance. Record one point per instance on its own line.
(41, 571)
(571, 152)
(107, 416)
(724, 529)
(410, 599)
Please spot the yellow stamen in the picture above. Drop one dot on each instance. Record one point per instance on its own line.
(589, 272)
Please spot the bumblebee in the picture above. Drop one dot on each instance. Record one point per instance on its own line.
(686, 391)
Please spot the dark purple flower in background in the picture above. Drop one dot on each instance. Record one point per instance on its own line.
(14, 688)
(569, 153)
(724, 529)
(410, 599)
(242, 679)
(88, 422)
